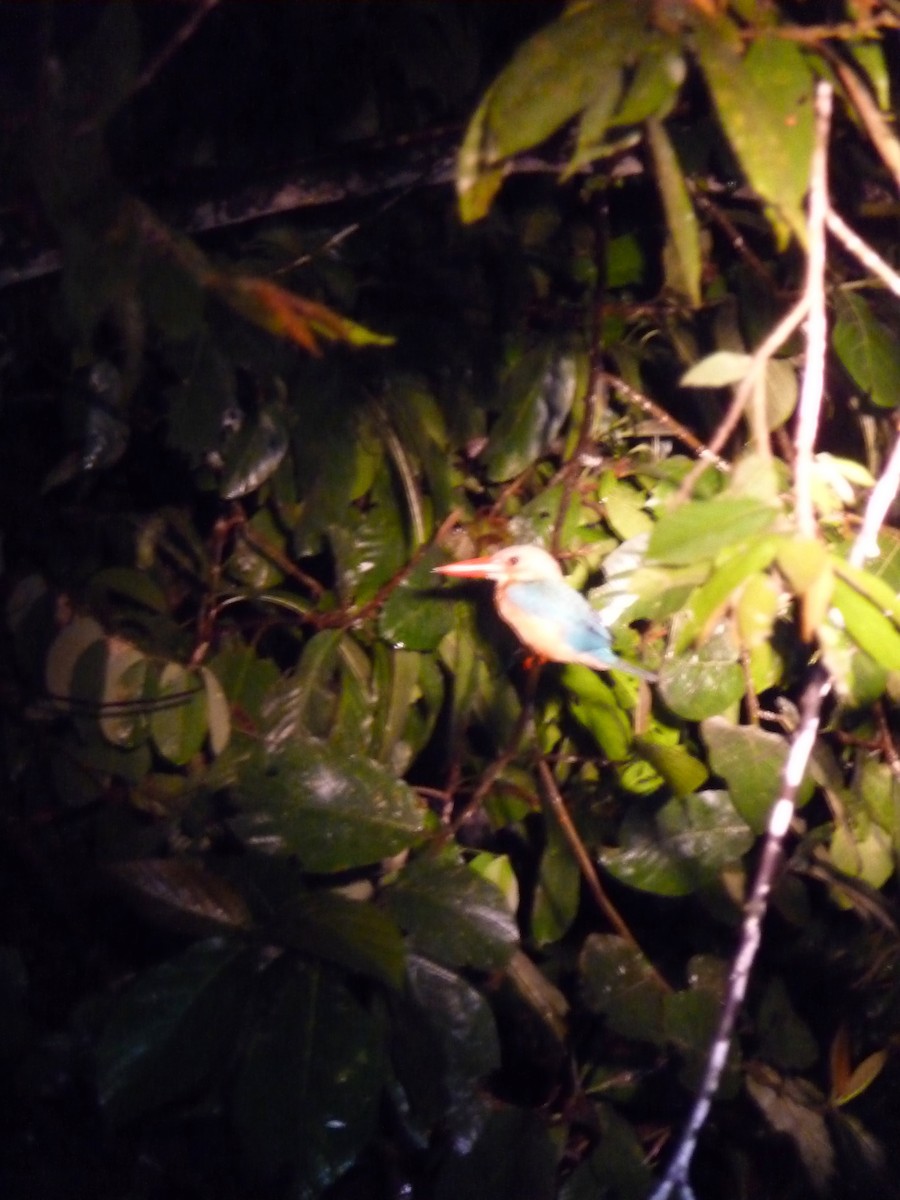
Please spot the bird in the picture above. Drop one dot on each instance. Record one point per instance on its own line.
(554, 621)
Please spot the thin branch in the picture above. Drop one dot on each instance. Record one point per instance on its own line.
(675, 428)
(676, 1177)
(880, 500)
(811, 390)
(876, 124)
(585, 863)
(861, 250)
(766, 349)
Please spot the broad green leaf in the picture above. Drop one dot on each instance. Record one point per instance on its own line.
(417, 614)
(172, 1029)
(181, 894)
(453, 915)
(552, 77)
(444, 1040)
(706, 682)
(557, 890)
(178, 720)
(619, 1163)
(683, 246)
(868, 626)
(680, 770)
(707, 601)
(349, 933)
(67, 647)
(513, 1157)
(537, 397)
(682, 847)
(307, 1090)
(764, 102)
(124, 682)
(785, 1039)
(719, 369)
(654, 84)
(703, 528)
(597, 709)
(863, 851)
(868, 350)
(128, 585)
(333, 810)
(255, 454)
(750, 760)
(881, 594)
(621, 985)
(594, 122)
(218, 713)
(782, 391)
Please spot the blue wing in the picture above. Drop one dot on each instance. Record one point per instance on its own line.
(577, 624)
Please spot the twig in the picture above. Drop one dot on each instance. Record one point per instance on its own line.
(174, 44)
(814, 694)
(585, 863)
(876, 125)
(852, 242)
(779, 335)
(674, 427)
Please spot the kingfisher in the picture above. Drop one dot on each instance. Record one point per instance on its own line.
(553, 620)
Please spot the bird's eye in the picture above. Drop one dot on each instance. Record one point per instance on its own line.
(514, 560)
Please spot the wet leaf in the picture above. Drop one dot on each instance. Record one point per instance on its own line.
(309, 1084)
(680, 848)
(348, 933)
(331, 809)
(178, 720)
(750, 760)
(621, 985)
(513, 1157)
(172, 1029)
(453, 915)
(867, 349)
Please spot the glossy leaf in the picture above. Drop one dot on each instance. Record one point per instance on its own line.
(332, 810)
(703, 528)
(348, 933)
(514, 1156)
(682, 847)
(868, 626)
(308, 1087)
(178, 720)
(172, 1029)
(538, 397)
(417, 614)
(750, 760)
(621, 985)
(453, 915)
(867, 349)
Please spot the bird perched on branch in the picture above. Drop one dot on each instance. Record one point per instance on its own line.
(553, 620)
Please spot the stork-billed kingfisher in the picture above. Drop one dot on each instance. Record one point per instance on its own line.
(553, 620)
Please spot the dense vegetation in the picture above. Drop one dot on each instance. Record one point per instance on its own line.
(312, 885)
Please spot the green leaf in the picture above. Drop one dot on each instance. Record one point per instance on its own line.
(706, 682)
(681, 848)
(764, 102)
(309, 1085)
(178, 721)
(868, 349)
(719, 369)
(444, 1041)
(513, 1157)
(785, 1040)
(750, 760)
(675, 764)
(65, 651)
(417, 614)
(552, 77)
(710, 598)
(537, 397)
(683, 258)
(598, 710)
(619, 1163)
(350, 933)
(172, 1029)
(868, 626)
(453, 915)
(557, 891)
(255, 455)
(703, 528)
(621, 985)
(863, 851)
(333, 810)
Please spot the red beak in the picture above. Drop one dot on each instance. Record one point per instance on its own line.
(469, 568)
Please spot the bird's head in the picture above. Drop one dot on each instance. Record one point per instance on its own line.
(514, 564)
